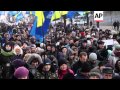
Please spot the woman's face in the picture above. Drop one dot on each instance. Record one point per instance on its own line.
(63, 67)
(35, 64)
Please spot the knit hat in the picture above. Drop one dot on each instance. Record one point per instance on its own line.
(117, 46)
(61, 62)
(18, 63)
(107, 70)
(92, 56)
(47, 61)
(21, 72)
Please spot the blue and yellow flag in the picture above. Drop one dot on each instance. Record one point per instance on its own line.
(58, 15)
(40, 18)
(41, 31)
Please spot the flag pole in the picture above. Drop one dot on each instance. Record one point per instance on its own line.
(43, 36)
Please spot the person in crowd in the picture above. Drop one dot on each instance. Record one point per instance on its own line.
(63, 69)
(94, 75)
(83, 72)
(83, 58)
(45, 71)
(114, 56)
(107, 73)
(21, 73)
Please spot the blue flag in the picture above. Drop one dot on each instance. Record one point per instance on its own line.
(40, 32)
(71, 14)
(19, 16)
(30, 12)
(12, 13)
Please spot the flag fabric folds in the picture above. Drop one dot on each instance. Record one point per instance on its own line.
(40, 18)
(41, 31)
(19, 16)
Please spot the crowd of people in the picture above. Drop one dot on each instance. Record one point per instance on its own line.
(67, 52)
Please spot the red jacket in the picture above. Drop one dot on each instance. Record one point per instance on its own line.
(61, 73)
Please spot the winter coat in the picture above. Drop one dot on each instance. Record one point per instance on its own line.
(40, 74)
(113, 59)
(79, 65)
(5, 57)
(102, 55)
(80, 76)
(61, 73)
(32, 69)
(47, 75)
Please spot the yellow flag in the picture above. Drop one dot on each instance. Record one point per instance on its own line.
(56, 15)
(63, 12)
(40, 18)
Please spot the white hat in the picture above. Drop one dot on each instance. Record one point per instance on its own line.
(92, 56)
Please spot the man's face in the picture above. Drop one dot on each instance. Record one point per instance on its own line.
(46, 67)
(64, 50)
(94, 77)
(33, 49)
(101, 46)
(83, 58)
(72, 56)
(107, 76)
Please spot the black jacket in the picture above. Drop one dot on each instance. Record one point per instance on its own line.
(76, 66)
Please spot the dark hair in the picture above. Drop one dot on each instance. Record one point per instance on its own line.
(101, 63)
(82, 54)
(34, 60)
(117, 70)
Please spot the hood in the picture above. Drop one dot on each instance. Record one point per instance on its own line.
(4, 53)
(39, 50)
(34, 55)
